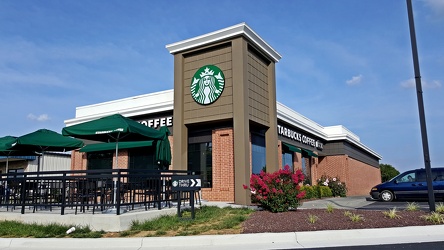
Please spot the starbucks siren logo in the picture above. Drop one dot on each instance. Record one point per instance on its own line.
(207, 84)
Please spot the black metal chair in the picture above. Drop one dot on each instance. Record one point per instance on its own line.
(86, 195)
(146, 192)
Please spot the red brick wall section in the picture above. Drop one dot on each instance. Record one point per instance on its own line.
(78, 160)
(358, 176)
(362, 177)
(297, 161)
(122, 159)
(333, 166)
(223, 167)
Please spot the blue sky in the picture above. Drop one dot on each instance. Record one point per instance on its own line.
(343, 62)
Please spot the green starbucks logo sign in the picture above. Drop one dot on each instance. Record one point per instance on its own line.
(207, 84)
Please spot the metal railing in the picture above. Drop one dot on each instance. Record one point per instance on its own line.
(81, 190)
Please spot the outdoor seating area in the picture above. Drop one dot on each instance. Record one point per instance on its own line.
(89, 191)
(112, 190)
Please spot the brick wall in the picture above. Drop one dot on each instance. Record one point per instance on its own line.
(297, 161)
(333, 166)
(122, 159)
(358, 176)
(361, 177)
(78, 160)
(223, 167)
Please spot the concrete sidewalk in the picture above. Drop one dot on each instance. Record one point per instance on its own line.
(241, 241)
(351, 202)
(314, 239)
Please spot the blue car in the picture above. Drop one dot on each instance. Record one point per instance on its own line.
(410, 185)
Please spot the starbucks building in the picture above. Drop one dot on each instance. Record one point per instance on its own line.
(226, 123)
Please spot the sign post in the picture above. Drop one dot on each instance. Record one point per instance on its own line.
(185, 183)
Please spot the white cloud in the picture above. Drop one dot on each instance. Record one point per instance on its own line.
(411, 83)
(437, 6)
(40, 118)
(11, 77)
(355, 80)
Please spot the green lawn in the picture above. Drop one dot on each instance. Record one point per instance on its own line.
(208, 220)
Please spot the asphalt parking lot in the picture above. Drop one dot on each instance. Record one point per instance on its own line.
(401, 204)
(363, 202)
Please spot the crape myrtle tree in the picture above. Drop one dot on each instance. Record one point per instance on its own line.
(387, 172)
(277, 192)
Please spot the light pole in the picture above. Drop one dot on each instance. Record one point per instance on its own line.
(425, 144)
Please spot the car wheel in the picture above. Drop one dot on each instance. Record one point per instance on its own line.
(386, 195)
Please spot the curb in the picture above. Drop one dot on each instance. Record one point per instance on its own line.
(328, 238)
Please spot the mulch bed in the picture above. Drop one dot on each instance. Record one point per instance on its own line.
(298, 221)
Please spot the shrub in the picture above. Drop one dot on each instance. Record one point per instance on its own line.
(356, 217)
(412, 206)
(353, 217)
(440, 208)
(312, 218)
(330, 208)
(278, 191)
(325, 192)
(434, 217)
(316, 191)
(310, 192)
(392, 214)
(337, 187)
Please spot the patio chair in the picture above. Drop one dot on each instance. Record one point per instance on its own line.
(86, 195)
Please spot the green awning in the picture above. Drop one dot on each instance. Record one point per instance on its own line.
(291, 148)
(112, 146)
(310, 153)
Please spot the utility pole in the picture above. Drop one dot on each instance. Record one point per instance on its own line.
(425, 144)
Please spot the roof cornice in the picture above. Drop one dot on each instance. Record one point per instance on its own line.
(331, 133)
(241, 29)
(132, 106)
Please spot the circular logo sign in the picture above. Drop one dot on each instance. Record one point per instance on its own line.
(175, 183)
(207, 84)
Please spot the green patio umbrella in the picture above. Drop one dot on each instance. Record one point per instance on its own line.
(44, 140)
(163, 150)
(4, 145)
(117, 128)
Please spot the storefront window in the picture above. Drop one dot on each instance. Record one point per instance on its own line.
(142, 158)
(100, 160)
(287, 159)
(306, 169)
(258, 153)
(200, 161)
